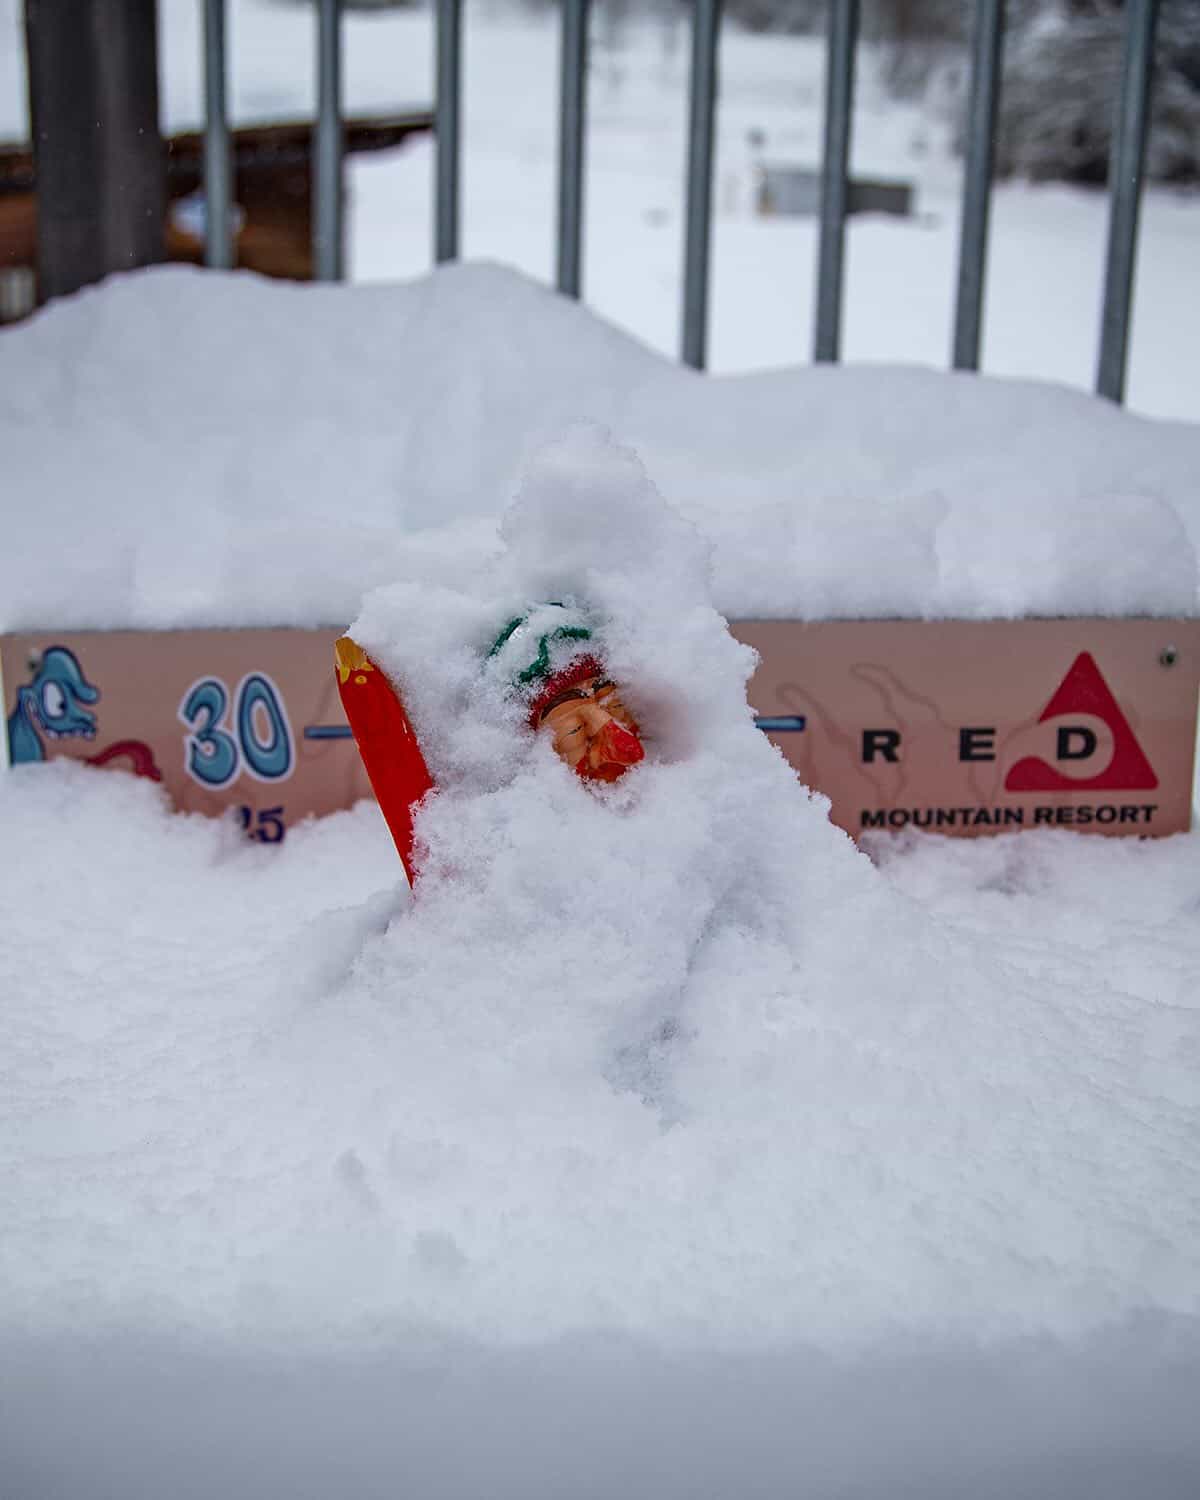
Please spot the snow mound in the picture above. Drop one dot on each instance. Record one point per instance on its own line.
(660, 1117)
(244, 452)
(663, 1144)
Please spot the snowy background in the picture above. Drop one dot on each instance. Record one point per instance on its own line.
(1047, 245)
(667, 1144)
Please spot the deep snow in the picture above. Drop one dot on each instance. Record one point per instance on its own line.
(663, 1144)
(197, 449)
(275, 1227)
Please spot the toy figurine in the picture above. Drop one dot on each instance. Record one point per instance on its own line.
(543, 659)
(568, 693)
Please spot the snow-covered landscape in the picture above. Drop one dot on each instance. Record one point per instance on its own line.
(665, 1143)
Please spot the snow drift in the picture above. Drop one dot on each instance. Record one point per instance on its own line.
(183, 448)
(662, 1145)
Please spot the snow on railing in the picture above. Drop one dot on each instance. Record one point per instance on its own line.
(1125, 173)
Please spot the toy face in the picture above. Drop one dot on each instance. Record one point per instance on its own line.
(593, 730)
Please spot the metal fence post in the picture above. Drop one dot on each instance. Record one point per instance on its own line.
(98, 155)
(218, 218)
(839, 105)
(706, 22)
(327, 183)
(448, 67)
(572, 119)
(1126, 164)
(987, 45)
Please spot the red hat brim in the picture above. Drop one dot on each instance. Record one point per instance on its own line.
(580, 670)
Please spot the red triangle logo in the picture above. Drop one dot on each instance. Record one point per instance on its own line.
(1084, 691)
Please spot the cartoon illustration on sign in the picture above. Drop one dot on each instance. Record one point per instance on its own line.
(138, 754)
(50, 704)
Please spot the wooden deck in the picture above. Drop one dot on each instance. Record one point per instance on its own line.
(273, 191)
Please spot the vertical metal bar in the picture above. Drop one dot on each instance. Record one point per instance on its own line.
(97, 151)
(706, 23)
(327, 183)
(572, 115)
(839, 105)
(987, 43)
(218, 217)
(446, 127)
(1126, 164)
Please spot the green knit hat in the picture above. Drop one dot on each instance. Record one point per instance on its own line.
(543, 652)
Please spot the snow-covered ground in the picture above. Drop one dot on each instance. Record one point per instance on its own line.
(665, 1144)
(303, 1196)
(1047, 243)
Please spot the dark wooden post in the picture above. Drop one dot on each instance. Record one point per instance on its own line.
(98, 155)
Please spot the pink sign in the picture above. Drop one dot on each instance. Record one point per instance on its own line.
(959, 727)
(972, 727)
(243, 719)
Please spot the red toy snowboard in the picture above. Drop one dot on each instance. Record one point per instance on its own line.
(386, 741)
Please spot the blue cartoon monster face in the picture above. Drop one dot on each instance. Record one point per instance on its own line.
(51, 705)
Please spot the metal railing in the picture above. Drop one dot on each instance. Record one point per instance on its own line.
(1126, 166)
(446, 128)
(1125, 176)
(835, 176)
(572, 109)
(987, 43)
(328, 233)
(218, 188)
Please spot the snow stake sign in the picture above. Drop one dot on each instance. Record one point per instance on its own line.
(958, 727)
(241, 721)
(971, 727)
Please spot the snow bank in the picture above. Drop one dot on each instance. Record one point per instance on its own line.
(183, 448)
(662, 1145)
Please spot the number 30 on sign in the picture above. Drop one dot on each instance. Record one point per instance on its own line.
(255, 738)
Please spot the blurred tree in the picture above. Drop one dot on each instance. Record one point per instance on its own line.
(1061, 74)
(366, 4)
(1062, 80)
(795, 17)
(1061, 83)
